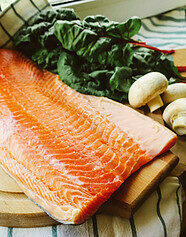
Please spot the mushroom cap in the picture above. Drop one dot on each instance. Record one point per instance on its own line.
(174, 92)
(173, 110)
(147, 88)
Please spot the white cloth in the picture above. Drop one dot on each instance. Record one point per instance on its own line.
(165, 31)
(160, 214)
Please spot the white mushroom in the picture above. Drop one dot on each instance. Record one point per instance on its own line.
(147, 90)
(174, 92)
(175, 116)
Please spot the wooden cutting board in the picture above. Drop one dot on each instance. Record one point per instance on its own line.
(16, 210)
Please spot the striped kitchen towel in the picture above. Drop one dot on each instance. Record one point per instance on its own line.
(15, 16)
(161, 214)
(165, 31)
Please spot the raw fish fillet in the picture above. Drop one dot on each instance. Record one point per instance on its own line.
(66, 151)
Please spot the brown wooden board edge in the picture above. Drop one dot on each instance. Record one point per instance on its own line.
(120, 209)
(20, 220)
(127, 211)
(154, 184)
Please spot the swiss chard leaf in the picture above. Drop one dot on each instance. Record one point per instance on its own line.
(99, 24)
(127, 29)
(92, 56)
(69, 69)
(40, 33)
(120, 79)
(47, 59)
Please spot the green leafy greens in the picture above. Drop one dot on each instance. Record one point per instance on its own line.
(93, 56)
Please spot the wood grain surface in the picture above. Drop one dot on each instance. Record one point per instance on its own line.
(7, 184)
(180, 59)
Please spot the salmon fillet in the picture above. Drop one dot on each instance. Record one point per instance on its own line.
(67, 151)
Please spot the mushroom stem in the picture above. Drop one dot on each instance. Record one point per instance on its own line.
(179, 124)
(155, 103)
